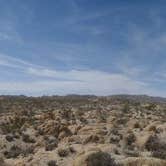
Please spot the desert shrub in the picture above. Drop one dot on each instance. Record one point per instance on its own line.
(100, 159)
(131, 153)
(66, 113)
(13, 125)
(157, 147)
(50, 147)
(50, 143)
(126, 107)
(2, 162)
(72, 150)
(64, 132)
(130, 138)
(151, 106)
(137, 125)
(102, 116)
(159, 154)
(14, 152)
(114, 131)
(9, 138)
(115, 139)
(10, 128)
(52, 163)
(79, 113)
(116, 151)
(121, 121)
(93, 139)
(152, 128)
(28, 150)
(26, 138)
(153, 144)
(83, 120)
(62, 152)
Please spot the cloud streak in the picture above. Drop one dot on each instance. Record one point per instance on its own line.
(109, 85)
(66, 82)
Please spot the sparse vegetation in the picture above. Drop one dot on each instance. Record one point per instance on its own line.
(52, 163)
(82, 131)
(131, 138)
(63, 152)
(95, 159)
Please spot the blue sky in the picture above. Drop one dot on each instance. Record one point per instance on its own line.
(99, 47)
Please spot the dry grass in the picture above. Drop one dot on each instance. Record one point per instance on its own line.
(143, 162)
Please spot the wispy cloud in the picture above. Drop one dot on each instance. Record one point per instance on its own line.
(8, 32)
(13, 62)
(99, 84)
(72, 81)
(4, 36)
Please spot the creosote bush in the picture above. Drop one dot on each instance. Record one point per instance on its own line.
(63, 152)
(153, 143)
(98, 158)
(131, 138)
(52, 163)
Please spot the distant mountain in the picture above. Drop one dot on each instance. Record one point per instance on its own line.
(139, 98)
(134, 98)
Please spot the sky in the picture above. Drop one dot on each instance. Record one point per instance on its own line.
(99, 47)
